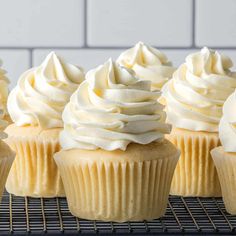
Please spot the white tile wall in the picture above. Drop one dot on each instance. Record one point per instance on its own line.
(28, 23)
(122, 23)
(216, 23)
(88, 32)
(15, 62)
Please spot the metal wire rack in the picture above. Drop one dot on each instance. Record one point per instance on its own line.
(20, 215)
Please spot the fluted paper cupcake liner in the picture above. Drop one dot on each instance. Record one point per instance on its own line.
(34, 172)
(226, 168)
(195, 173)
(5, 165)
(117, 191)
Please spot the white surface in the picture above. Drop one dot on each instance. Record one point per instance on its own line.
(15, 62)
(28, 23)
(216, 23)
(123, 23)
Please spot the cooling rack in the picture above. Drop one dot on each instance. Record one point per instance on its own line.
(21, 216)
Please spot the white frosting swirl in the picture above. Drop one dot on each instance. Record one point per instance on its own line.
(148, 64)
(227, 127)
(42, 93)
(4, 82)
(111, 109)
(198, 90)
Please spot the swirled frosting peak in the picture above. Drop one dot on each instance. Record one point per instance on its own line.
(148, 64)
(42, 93)
(227, 127)
(111, 109)
(4, 82)
(198, 90)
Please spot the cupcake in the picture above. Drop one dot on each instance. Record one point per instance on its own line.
(4, 83)
(148, 64)
(115, 163)
(6, 155)
(194, 98)
(35, 106)
(224, 156)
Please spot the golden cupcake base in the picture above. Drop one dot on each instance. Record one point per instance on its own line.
(195, 174)
(34, 172)
(226, 168)
(6, 160)
(118, 186)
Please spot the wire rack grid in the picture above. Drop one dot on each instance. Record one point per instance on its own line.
(20, 215)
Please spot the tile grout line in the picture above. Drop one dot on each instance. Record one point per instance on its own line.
(193, 23)
(85, 24)
(30, 57)
(107, 48)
